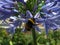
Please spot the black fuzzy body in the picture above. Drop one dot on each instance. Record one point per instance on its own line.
(29, 24)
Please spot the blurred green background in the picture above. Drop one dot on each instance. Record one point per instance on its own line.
(21, 38)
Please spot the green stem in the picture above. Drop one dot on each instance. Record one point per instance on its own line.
(11, 42)
(55, 41)
(55, 36)
(34, 37)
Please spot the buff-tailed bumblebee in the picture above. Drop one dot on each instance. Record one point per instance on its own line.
(29, 24)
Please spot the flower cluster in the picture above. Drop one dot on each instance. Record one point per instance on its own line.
(48, 15)
(6, 9)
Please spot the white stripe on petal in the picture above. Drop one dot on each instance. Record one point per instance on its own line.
(37, 15)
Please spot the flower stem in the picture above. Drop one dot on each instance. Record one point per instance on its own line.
(11, 42)
(34, 37)
(55, 36)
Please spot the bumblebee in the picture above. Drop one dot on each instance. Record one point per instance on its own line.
(29, 25)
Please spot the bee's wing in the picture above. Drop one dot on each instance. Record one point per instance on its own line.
(37, 15)
(28, 14)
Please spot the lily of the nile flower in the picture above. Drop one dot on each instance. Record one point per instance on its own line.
(53, 5)
(49, 5)
(56, 7)
(7, 5)
(30, 21)
(45, 7)
(6, 13)
(6, 10)
(50, 22)
(51, 9)
(12, 26)
(50, 18)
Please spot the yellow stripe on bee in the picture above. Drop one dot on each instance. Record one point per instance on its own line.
(31, 21)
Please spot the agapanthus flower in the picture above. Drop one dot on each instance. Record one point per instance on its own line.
(13, 25)
(50, 23)
(6, 10)
(50, 15)
(28, 17)
(51, 9)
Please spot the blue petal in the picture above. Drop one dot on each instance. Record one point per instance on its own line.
(37, 28)
(21, 1)
(53, 23)
(48, 5)
(55, 8)
(39, 20)
(46, 27)
(48, 1)
(9, 1)
(28, 14)
(13, 26)
(17, 23)
(58, 0)
(37, 15)
(5, 13)
(11, 30)
(3, 1)
(51, 6)
(8, 6)
(56, 20)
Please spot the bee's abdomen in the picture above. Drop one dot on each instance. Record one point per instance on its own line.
(29, 25)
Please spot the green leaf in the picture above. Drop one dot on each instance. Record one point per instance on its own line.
(21, 7)
(40, 5)
(30, 4)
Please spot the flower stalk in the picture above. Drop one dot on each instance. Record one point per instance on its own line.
(34, 37)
